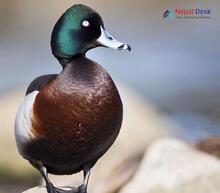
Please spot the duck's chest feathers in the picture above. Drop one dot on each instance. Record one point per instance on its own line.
(82, 101)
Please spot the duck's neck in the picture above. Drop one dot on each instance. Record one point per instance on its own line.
(81, 69)
(65, 61)
(79, 62)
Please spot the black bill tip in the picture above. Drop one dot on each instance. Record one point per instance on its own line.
(129, 48)
(124, 47)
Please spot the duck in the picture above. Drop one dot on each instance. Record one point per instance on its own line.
(67, 122)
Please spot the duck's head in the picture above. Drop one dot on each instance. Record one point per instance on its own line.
(79, 29)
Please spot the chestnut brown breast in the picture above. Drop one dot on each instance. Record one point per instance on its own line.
(76, 117)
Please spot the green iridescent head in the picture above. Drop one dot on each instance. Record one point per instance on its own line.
(79, 29)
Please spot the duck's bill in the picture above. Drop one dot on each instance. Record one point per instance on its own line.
(108, 41)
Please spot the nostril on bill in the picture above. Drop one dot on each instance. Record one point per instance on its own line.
(121, 47)
(110, 38)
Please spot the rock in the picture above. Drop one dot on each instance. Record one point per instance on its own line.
(37, 190)
(41, 189)
(210, 145)
(172, 166)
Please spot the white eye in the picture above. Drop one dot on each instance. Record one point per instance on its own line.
(85, 23)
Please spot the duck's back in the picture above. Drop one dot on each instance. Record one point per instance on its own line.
(76, 118)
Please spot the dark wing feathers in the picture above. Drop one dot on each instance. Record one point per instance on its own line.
(38, 83)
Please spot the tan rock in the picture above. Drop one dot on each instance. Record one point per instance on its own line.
(36, 190)
(171, 166)
(210, 145)
(40, 189)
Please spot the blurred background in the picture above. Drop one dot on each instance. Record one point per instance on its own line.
(173, 67)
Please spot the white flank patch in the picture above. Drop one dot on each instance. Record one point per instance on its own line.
(23, 124)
